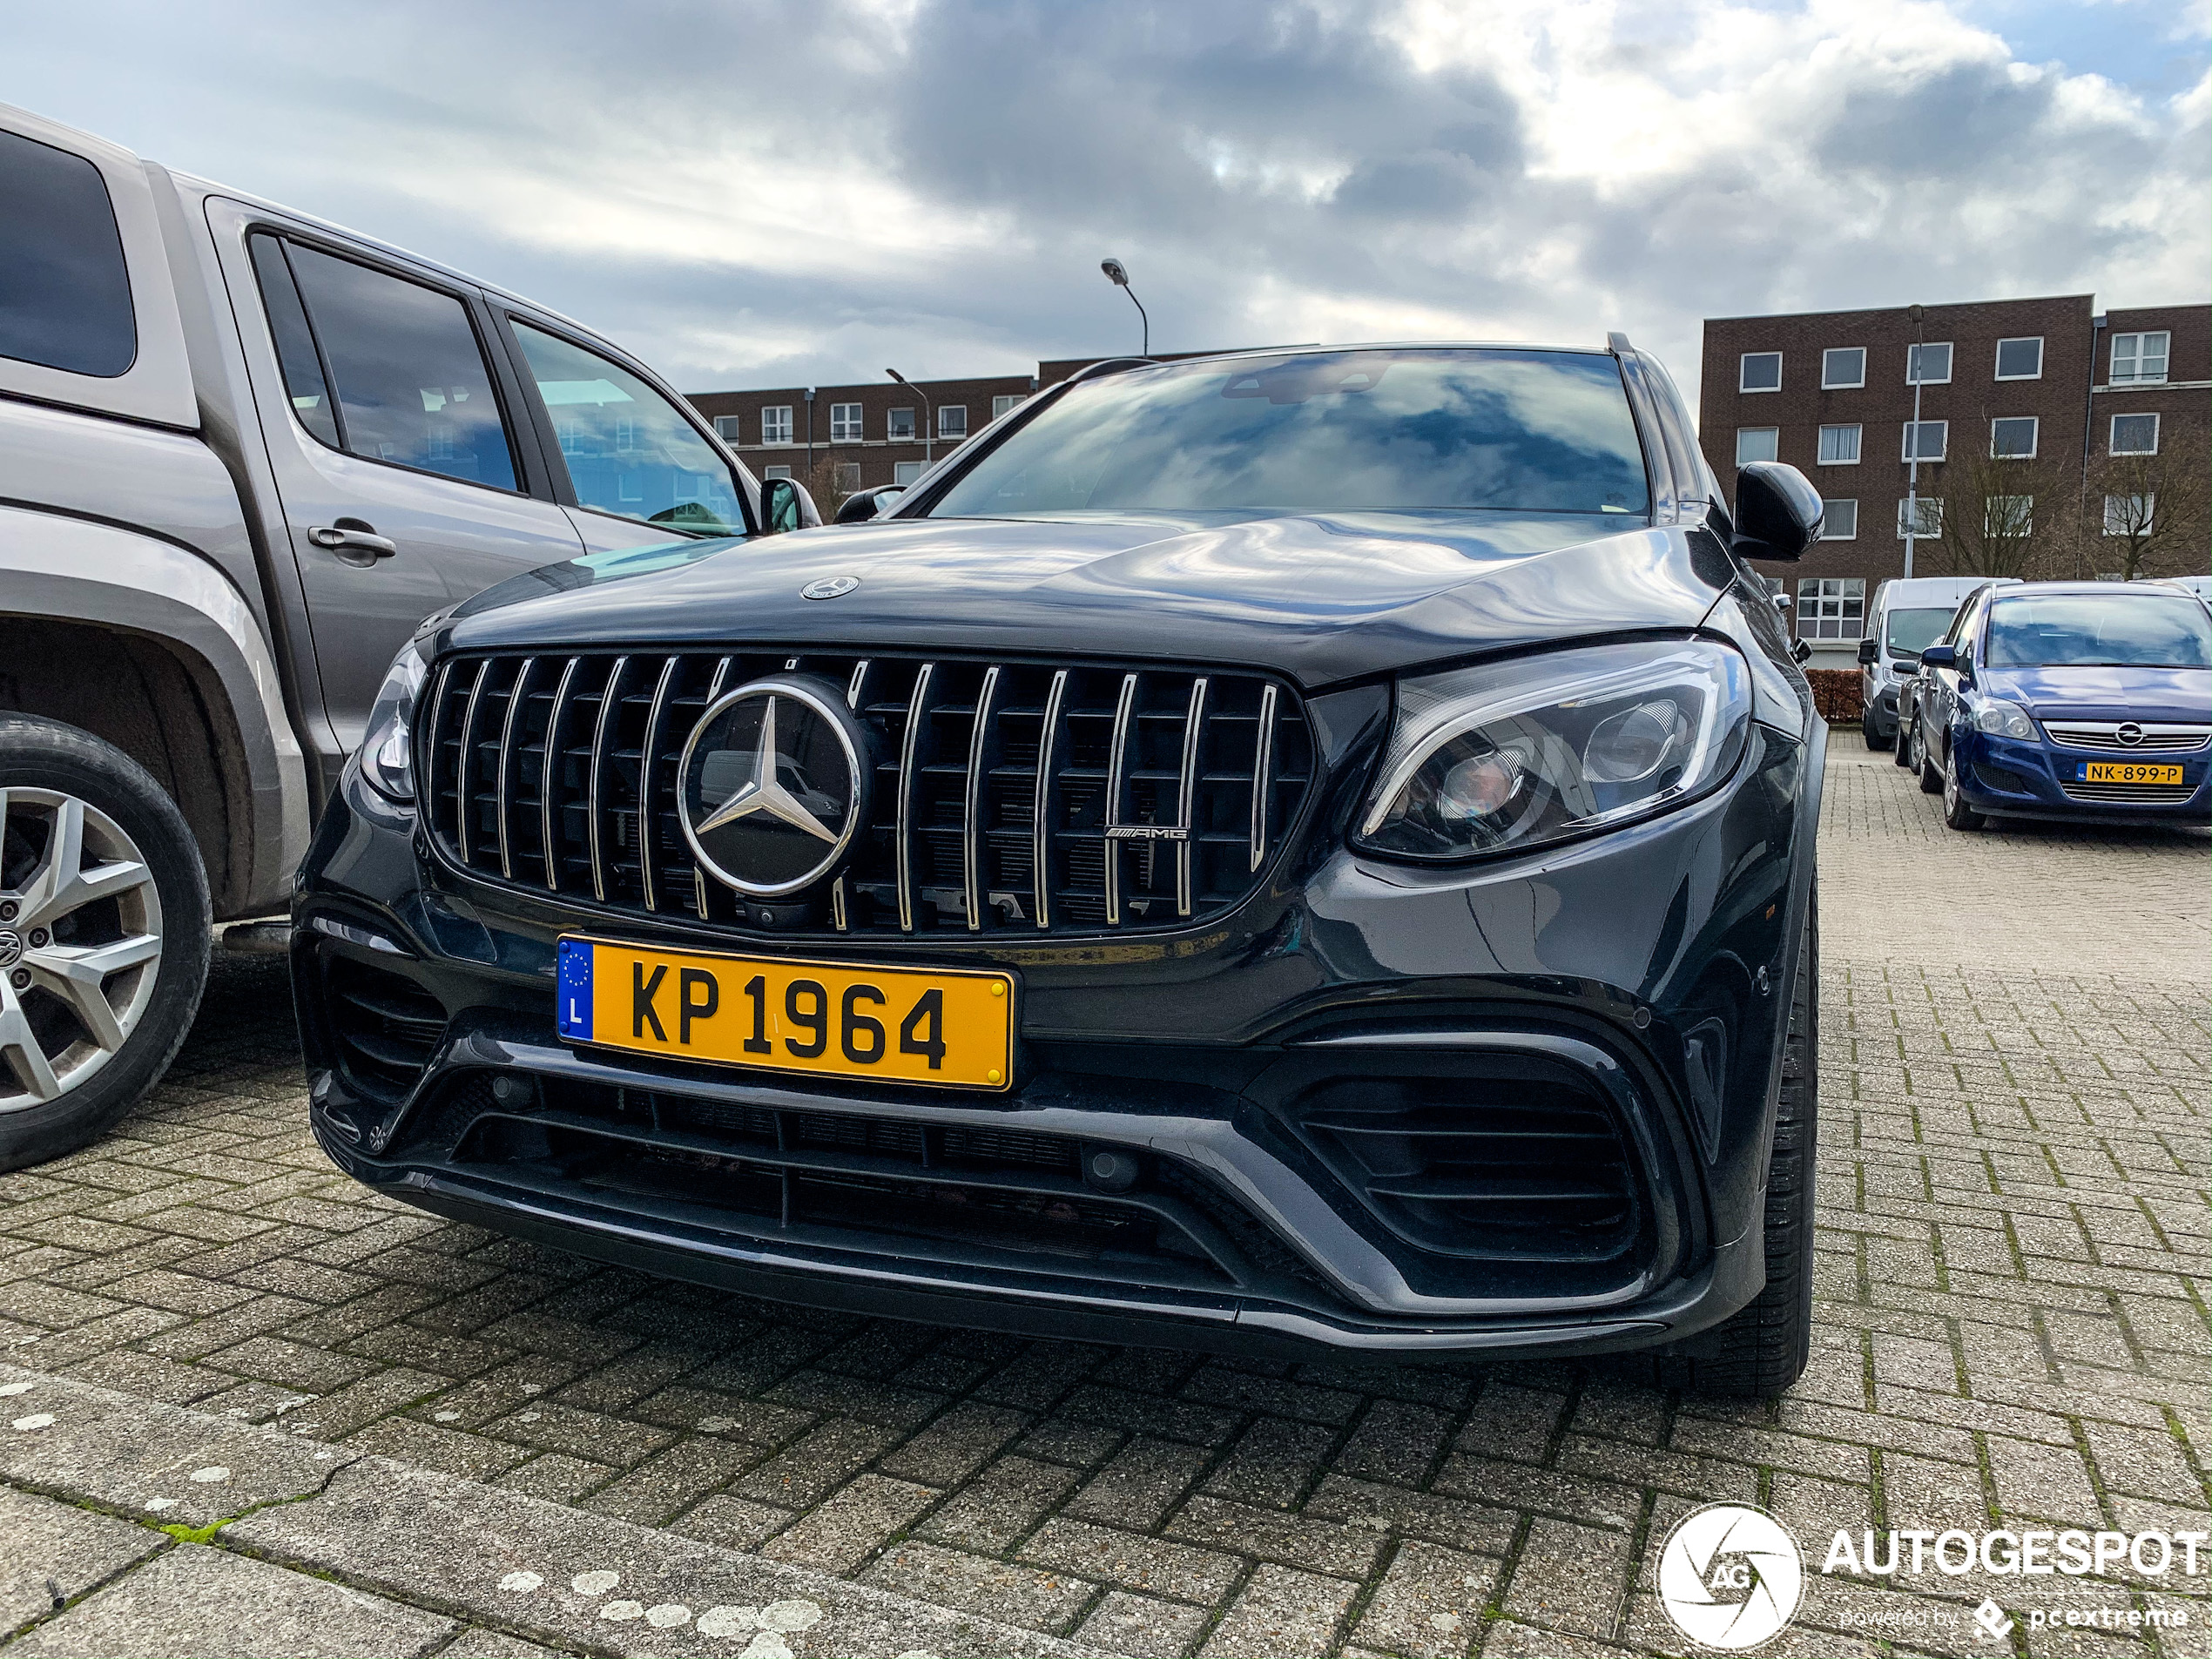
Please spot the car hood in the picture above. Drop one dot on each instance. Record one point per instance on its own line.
(2180, 694)
(1321, 598)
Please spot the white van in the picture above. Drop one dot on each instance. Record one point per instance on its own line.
(1907, 613)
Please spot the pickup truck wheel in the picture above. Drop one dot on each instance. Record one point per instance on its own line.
(105, 925)
(1762, 1349)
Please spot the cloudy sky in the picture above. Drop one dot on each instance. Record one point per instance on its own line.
(752, 192)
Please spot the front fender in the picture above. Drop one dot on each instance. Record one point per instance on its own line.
(76, 570)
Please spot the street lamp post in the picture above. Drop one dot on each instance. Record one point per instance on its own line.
(1118, 273)
(929, 423)
(1919, 314)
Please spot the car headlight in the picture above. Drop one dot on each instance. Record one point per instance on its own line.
(1515, 755)
(2003, 719)
(388, 747)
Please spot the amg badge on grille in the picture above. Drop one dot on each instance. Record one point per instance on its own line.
(772, 785)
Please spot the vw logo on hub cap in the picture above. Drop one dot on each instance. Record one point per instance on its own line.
(774, 786)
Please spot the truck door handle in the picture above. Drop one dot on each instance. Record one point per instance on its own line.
(352, 540)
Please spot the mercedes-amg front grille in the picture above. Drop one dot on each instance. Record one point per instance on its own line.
(1009, 796)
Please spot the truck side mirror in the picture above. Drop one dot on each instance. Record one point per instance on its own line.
(1870, 650)
(1777, 511)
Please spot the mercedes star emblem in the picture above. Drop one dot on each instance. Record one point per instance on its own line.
(774, 786)
(830, 587)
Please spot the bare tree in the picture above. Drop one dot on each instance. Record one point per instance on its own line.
(2003, 516)
(2147, 516)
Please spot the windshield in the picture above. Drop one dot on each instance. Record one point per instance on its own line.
(2092, 629)
(1912, 631)
(1324, 432)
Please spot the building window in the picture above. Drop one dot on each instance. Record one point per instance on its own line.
(2012, 438)
(1761, 372)
(2019, 359)
(951, 420)
(905, 472)
(847, 474)
(2139, 359)
(2134, 434)
(1839, 446)
(1832, 607)
(775, 472)
(2008, 516)
(1931, 520)
(2130, 515)
(1755, 443)
(1004, 403)
(726, 428)
(1839, 521)
(1843, 367)
(1926, 439)
(845, 424)
(775, 423)
(901, 428)
(1928, 365)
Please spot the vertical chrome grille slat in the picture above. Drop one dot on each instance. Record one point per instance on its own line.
(917, 711)
(609, 700)
(468, 758)
(1263, 775)
(1116, 771)
(1120, 786)
(1186, 793)
(647, 752)
(971, 834)
(552, 771)
(1040, 821)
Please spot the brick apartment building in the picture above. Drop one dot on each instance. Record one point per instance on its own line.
(2050, 381)
(872, 434)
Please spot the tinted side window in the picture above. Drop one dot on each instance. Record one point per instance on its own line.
(411, 382)
(64, 291)
(628, 450)
(295, 345)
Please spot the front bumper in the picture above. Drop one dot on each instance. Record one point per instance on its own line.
(2009, 777)
(1631, 992)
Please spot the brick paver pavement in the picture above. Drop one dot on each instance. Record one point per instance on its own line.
(2012, 1330)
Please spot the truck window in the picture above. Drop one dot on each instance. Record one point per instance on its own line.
(295, 345)
(411, 383)
(628, 451)
(64, 291)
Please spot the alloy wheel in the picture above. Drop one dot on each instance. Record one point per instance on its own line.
(80, 943)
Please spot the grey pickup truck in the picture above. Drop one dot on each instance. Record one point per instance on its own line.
(243, 456)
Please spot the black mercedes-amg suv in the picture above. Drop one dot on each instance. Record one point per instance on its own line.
(1286, 852)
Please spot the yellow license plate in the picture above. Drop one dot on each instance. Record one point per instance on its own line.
(2128, 772)
(943, 1026)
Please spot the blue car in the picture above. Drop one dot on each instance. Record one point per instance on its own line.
(2082, 701)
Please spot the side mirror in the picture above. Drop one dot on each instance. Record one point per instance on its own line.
(785, 505)
(1870, 651)
(1777, 511)
(1801, 652)
(1938, 657)
(866, 504)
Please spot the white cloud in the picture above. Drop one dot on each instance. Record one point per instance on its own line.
(768, 191)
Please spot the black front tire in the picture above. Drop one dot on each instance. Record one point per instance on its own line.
(1901, 750)
(1761, 1349)
(42, 754)
(1956, 812)
(1872, 733)
(1926, 764)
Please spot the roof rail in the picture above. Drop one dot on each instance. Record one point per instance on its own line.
(1617, 343)
(1107, 366)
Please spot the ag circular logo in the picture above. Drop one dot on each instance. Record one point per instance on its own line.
(11, 948)
(1729, 1575)
(830, 587)
(774, 785)
(2129, 733)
